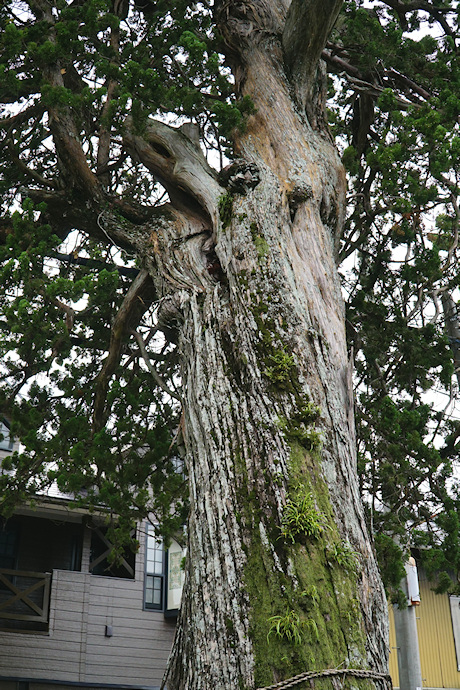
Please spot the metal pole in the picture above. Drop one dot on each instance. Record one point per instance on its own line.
(410, 672)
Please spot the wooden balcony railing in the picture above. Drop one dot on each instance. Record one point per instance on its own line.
(24, 595)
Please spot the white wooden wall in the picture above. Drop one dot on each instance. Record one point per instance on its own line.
(76, 648)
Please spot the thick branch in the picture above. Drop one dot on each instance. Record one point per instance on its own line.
(62, 124)
(33, 174)
(342, 66)
(437, 13)
(308, 25)
(179, 165)
(94, 263)
(103, 151)
(416, 88)
(375, 91)
(69, 149)
(156, 376)
(135, 303)
(33, 111)
(66, 212)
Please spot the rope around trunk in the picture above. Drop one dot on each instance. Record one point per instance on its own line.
(358, 673)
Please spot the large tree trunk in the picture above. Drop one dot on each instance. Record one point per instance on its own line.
(246, 273)
(250, 285)
(281, 578)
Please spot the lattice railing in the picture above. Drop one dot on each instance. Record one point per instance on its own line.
(24, 595)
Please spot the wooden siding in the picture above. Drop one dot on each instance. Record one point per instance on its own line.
(436, 641)
(393, 658)
(141, 639)
(76, 647)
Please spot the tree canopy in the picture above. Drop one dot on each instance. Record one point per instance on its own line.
(89, 375)
(397, 119)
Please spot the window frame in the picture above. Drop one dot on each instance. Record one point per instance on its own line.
(151, 606)
(7, 442)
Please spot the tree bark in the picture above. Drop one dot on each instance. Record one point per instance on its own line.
(248, 280)
(248, 285)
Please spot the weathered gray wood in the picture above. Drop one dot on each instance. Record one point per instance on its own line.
(307, 27)
(276, 296)
(179, 164)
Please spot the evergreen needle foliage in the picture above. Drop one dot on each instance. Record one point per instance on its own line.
(73, 380)
(399, 138)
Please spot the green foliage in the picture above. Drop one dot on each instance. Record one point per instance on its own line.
(391, 561)
(260, 242)
(343, 555)
(311, 593)
(300, 427)
(301, 518)
(280, 367)
(350, 160)
(310, 438)
(288, 627)
(318, 594)
(166, 60)
(226, 209)
(55, 321)
(312, 625)
(261, 245)
(307, 413)
(87, 65)
(394, 108)
(444, 582)
(400, 148)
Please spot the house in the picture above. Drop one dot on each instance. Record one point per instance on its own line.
(70, 618)
(438, 628)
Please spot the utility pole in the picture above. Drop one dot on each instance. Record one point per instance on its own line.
(410, 673)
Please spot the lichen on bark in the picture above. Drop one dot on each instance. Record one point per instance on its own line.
(242, 266)
(248, 287)
(266, 344)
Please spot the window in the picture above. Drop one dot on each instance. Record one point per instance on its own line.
(154, 571)
(174, 578)
(100, 563)
(6, 442)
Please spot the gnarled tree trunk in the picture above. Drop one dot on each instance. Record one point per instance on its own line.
(281, 578)
(247, 272)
